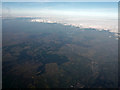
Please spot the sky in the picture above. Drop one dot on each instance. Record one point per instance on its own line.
(93, 9)
(60, 0)
(102, 15)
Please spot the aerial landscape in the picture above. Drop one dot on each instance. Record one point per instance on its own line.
(59, 45)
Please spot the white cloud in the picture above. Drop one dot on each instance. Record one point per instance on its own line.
(106, 24)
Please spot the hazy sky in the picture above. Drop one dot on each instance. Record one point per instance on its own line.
(89, 9)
